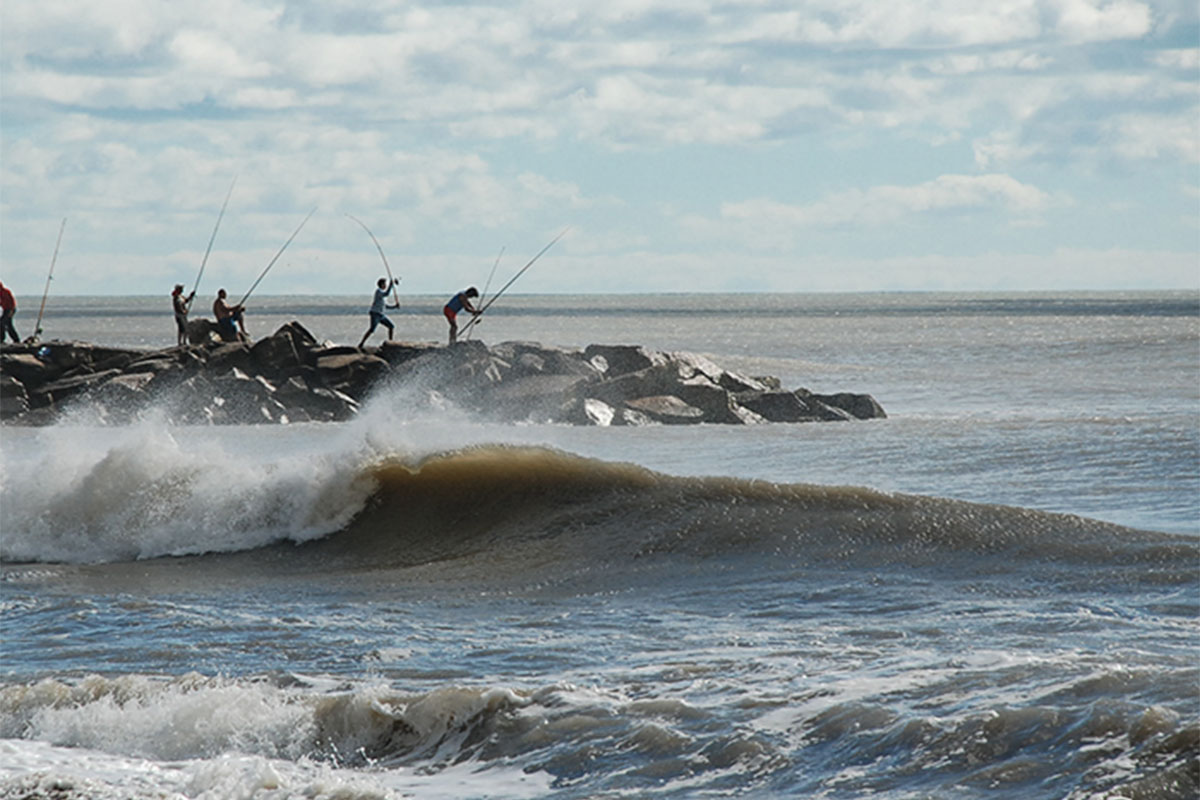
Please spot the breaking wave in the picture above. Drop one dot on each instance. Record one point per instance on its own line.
(510, 510)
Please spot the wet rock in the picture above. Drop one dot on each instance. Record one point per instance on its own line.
(28, 368)
(226, 357)
(534, 398)
(277, 353)
(778, 406)
(61, 389)
(202, 331)
(352, 373)
(667, 409)
(14, 400)
(621, 359)
(397, 353)
(859, 406)
(289, 377)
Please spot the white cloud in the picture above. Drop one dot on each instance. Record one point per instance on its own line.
(1097, 20)
(477, 117)
(884, 204)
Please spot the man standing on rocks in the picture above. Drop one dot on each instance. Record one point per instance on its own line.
(8, 305)
(376, 312)
(457, 304)
(182, 305)
(227, 316)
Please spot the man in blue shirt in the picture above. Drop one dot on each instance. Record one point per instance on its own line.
(376, 312)
(457, 303)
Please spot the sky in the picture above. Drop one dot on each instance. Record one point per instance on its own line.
(685, 145)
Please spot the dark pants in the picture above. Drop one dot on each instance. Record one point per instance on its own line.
(6, 327)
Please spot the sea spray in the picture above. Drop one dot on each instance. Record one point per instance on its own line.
(85, 494)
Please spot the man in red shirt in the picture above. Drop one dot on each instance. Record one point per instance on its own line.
(8, 304)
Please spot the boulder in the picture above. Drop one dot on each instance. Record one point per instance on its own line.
(667, 409)
(301, 402)
(227, 357)
(700, 392)
(620, 359)
(202, 331)
(276, 354)
(28, 369)
(352, 373)
(121, 397)
(534, 398)
(778, 406)
(14, 400)
(302, 339)
(859, 406)
(396, 353)
(61, 389)
(823, 411)
(533, 358)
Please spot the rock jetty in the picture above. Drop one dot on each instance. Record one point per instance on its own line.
(292, 377)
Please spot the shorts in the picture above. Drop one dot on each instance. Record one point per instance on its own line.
(451, 315)
(377, 319)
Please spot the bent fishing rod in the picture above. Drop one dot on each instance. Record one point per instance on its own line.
(392, 281)
(276, 258)
(37, 328)
(491, 275)
(511, 281)
(213, 238)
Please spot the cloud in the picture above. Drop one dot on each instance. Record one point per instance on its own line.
(458, 120)
(886, 204)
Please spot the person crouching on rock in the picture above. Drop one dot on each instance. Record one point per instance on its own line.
(8, 307)
(457, 304)
(376, 312)
(229, 319)
(182, 305)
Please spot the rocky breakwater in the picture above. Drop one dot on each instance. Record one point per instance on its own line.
(291, 377)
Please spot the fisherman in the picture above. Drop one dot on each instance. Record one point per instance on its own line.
(227, 316)
(182, 306)
(457, 304)
(376, 312)
(8, 305)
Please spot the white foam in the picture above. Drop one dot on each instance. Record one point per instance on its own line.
(86, 494)
(84, 774)
(213, 739)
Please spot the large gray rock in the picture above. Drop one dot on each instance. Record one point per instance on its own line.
(61, 389)
(667, 409)
(859, 406)
(535, 398)
(533, 358)
(230, 356)
(352, 373)
(276, 354)
(315, 403)
(29, 369)
(621, 359)
(780, 406)
(202, 331)
(397, 353)
(14, 400)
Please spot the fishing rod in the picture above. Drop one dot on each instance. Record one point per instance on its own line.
(512, 280)
(386, 266)
(276, 258)
(213, 238)
(489, 280)
(37, 328)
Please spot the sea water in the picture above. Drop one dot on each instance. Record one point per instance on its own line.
(994, 592)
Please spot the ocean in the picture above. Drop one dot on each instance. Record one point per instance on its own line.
(992, 593)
